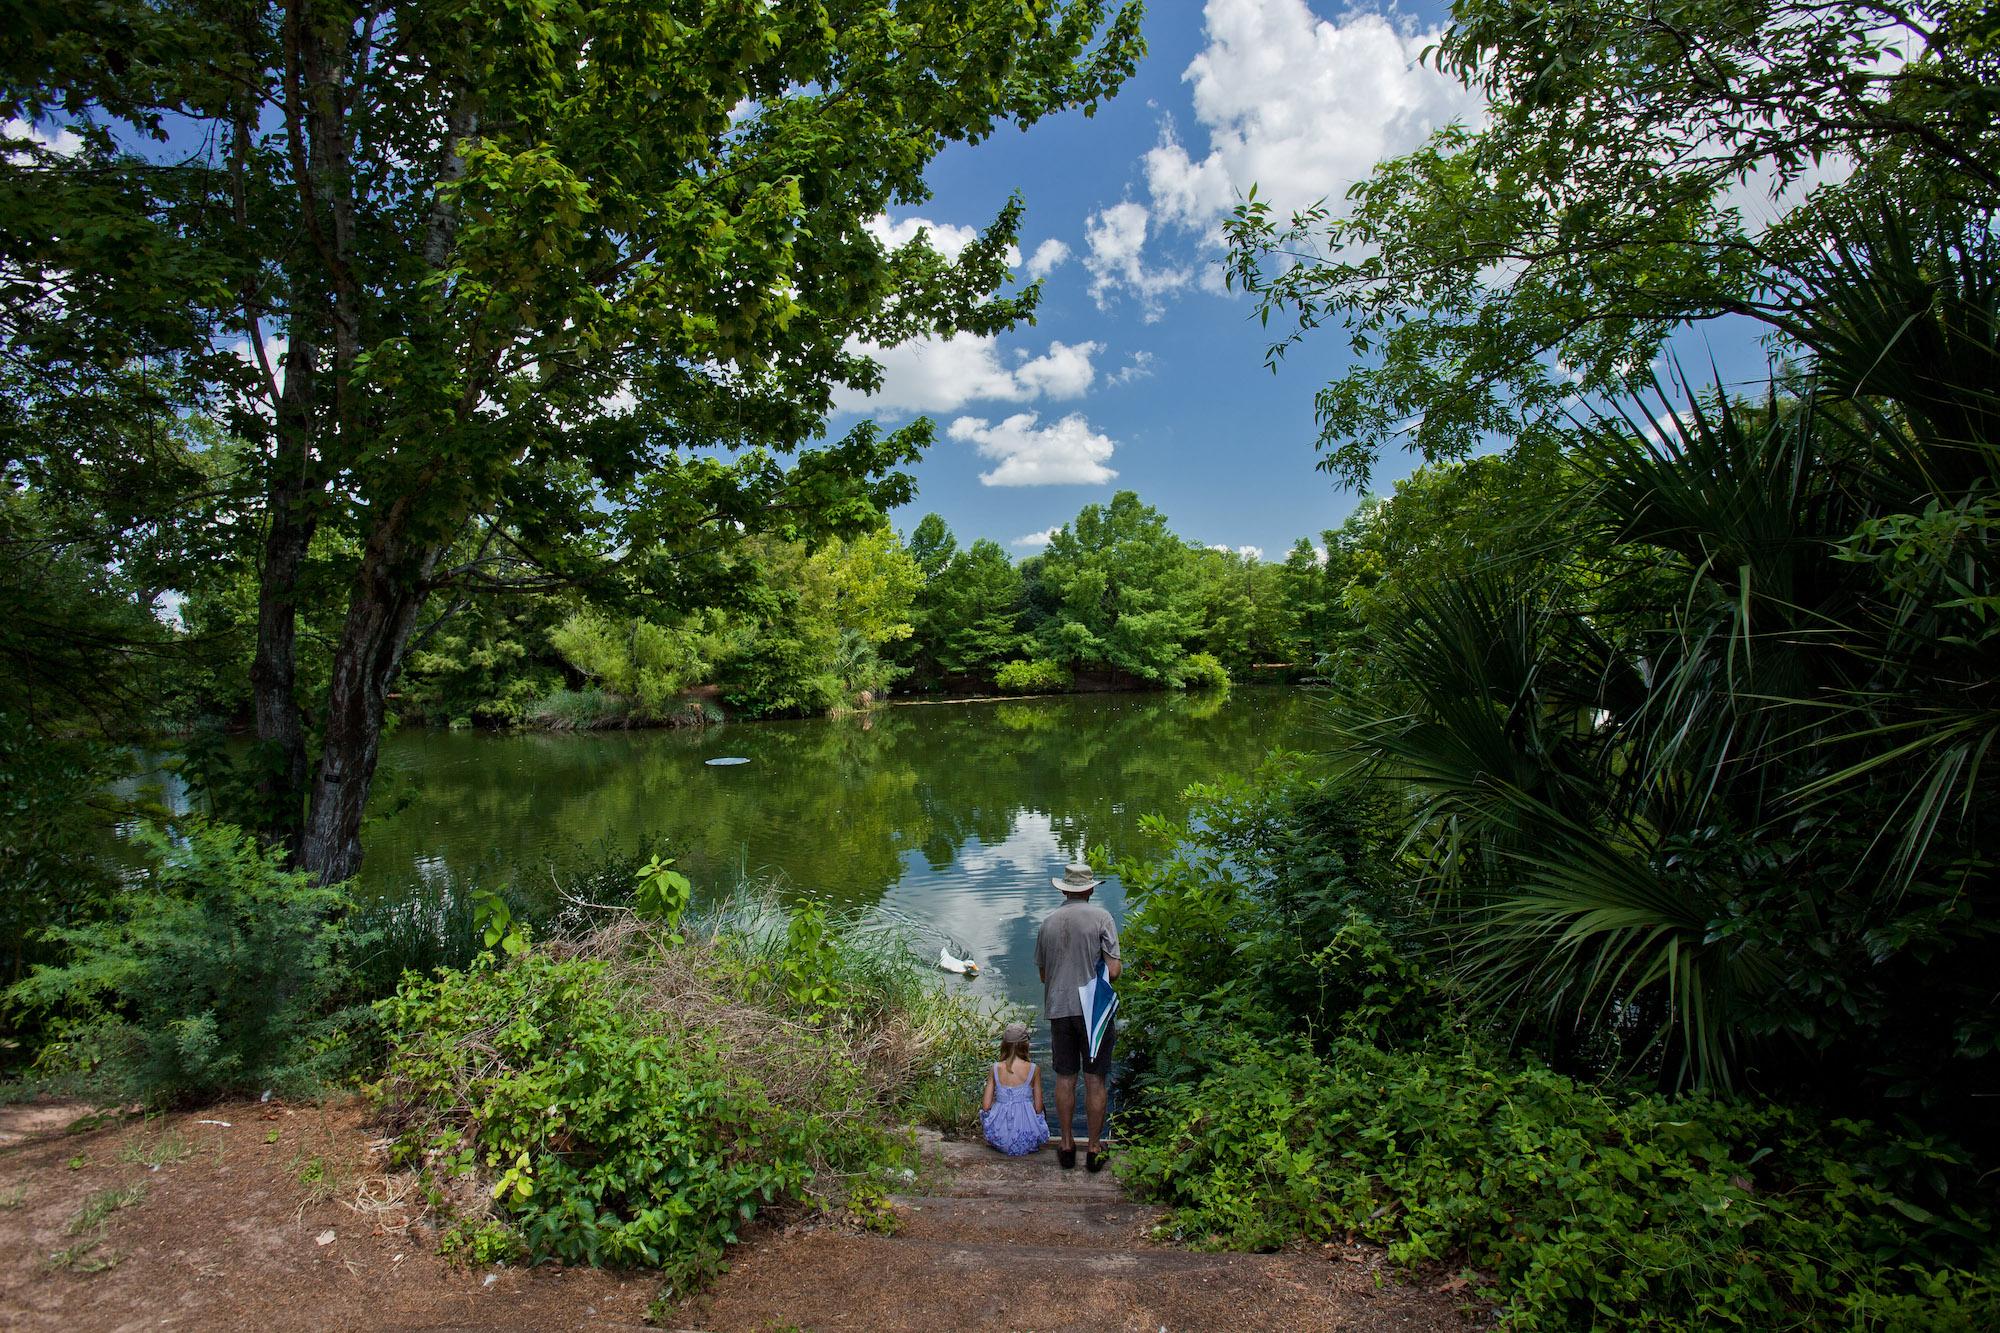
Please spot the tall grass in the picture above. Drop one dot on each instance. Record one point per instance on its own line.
(925, 1044)
(433, 922)
(594, 708)
(588, 709)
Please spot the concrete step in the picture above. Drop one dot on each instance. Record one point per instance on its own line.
(965, 1152)
(1069, 1185)
(979, 1162)
(948, 1256)
(905, 1284)
(1100, 1224)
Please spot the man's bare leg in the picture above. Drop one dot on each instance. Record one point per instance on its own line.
(1066, 1109)
(1094, 1099)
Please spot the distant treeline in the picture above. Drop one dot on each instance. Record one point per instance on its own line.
(1116, 600)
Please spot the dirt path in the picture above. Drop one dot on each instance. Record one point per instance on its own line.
(273, 1217)
(1019, 1244)
(247, 1216)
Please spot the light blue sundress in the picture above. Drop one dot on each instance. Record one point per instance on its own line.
(1014, 1126)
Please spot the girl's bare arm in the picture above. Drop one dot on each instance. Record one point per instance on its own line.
(986, 1102)
(1035, 1082)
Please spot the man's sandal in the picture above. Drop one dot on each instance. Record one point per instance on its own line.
(1066, 1159)
(1094, 1162)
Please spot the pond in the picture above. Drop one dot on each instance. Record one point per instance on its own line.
(949, 818)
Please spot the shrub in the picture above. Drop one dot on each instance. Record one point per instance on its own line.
(1202, 671)
(48, 829)
(216, 971)
(1278, 908)
(614, 1138)
(1039, 676)
(1591, 1210)
(636, 1096)
(1303, 1070)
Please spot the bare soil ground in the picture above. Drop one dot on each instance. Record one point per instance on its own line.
(276, 1217)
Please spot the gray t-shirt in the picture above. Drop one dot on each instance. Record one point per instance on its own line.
(1067, 947)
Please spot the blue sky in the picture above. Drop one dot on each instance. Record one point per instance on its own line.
(1139, 364)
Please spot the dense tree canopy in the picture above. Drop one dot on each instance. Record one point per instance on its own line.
(479, 285)
(1117, 579)
(810, 629)
(1697, 705)
(1638, 168)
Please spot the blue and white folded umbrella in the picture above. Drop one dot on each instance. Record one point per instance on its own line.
(1099, 1003)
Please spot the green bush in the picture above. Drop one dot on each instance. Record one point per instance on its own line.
(1591, 1211)
(49, 829)
(1280, 907)
(1302, 1069)
(614, 1138)
(1040, 676)
(636, 1096)
(216, 971)
(1202, 671)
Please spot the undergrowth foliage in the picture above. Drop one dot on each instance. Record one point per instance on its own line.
(215, 971)
(1304, 1070)
(649, 1148)
(1589, 1208)
(636, 1095)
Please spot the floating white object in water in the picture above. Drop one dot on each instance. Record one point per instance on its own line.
(729, 762)
(962, 966)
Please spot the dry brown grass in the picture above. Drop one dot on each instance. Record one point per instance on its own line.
(700, 983)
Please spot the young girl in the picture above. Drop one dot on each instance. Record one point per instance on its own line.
(1011, 1111)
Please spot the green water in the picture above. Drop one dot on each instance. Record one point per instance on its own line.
(950, 818)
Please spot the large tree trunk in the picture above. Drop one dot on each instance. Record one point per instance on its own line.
(311, 98)
(389, 593)
(293, 516)
(393, 582)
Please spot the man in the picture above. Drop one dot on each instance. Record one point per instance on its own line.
(1067, 949)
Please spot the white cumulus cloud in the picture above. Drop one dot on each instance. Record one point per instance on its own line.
(1025, 453)
(1036, 540)
(1049, 255)
(947, 238)
(944, 374)
(1064, 371)
(1117, 259)
(1140, 367)
(1300, 106)
(63, 143)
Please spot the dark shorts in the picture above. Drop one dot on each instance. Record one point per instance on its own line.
(1068, 1041)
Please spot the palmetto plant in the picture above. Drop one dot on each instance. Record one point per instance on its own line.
(1733, 798)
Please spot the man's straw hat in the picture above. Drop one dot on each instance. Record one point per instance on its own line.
(1076, 878)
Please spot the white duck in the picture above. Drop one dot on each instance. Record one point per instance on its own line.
(962, 966)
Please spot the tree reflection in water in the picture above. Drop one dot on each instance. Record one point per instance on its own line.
(950, 816)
